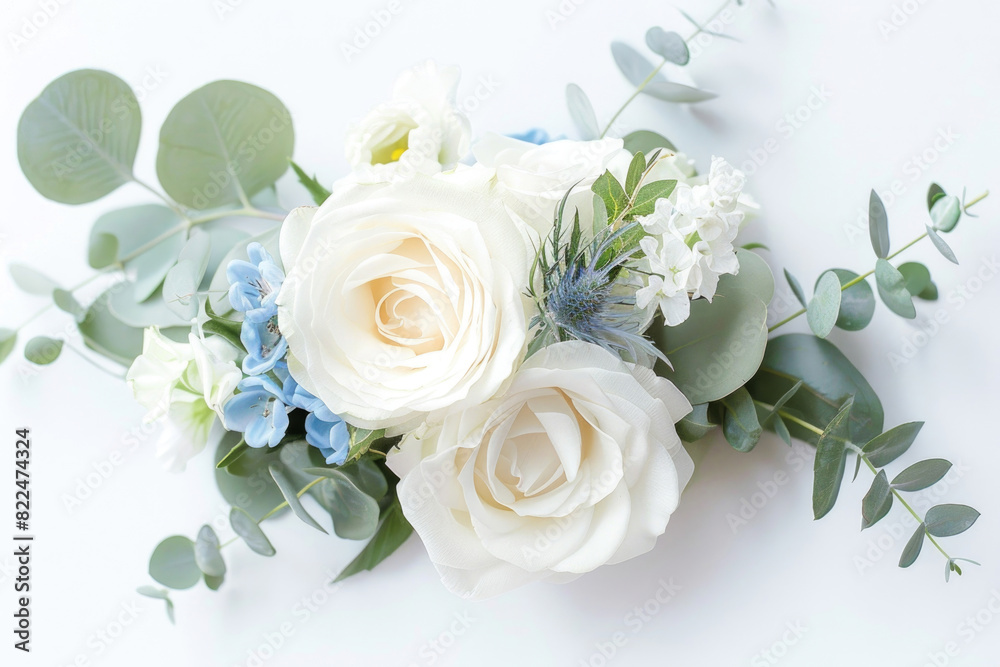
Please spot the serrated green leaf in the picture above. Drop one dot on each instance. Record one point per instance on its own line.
(316, 190)
(207, 554)
(892, 289)
(921, 475)
(877, 502)
(250, 532)
(646, 198)
(612, 194)
(43, 350)
(635, 170)
(912, 548)
(824, 308)
(887, 447)
(173, 563)
(828, 468)
(76, 142)
(942, 247)
(292, 498)
(948, 520)
(878, 225)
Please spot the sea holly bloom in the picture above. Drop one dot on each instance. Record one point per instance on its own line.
(254, 285)
(264, 343)
(258, 412)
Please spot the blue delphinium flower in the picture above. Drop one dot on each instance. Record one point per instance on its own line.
(265, 345)
(535, 135)
(254, 285)
(329, 437)
(258, 412)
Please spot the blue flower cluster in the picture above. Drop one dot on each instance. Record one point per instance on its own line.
(260, 409)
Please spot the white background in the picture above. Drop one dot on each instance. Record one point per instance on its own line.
(890, 96)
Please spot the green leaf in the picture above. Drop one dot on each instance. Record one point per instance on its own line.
(222, 144)
(669, 45)
(945, 213)
(647, 142)
(292, 498)
(782, 430)
(892, 289)
(8, 339)
(151, 235)
(355, 514)
(393, 529)
(236, 452)
(207, 554)
(740, 425)
(857, 302)
(180, 286)
(76, 142)
(828, 380)
(916, 277)
(250, 532)
(942, 247)
(173, 563)
(645, 199)
(361, 440)
(635, 169)
(934, 192)
(877, 501)
(316, 191)
(109, 336)
(633, 64)
(582, 112)
(787, 396)
(668, 91)
(912, 548)
(828, 468)
(696, 424)
(754, 276)
(214, 583)
(921, 475)
(889, 446)
(246, 482)
(103, 251)
(364, 473)
(155, 593)
(718, 348)
(154, 311)
(66, 302)
(948, 520)
(43, 350)
(612, 194)
(754, 246)
(930, 292)
(878, 225)
(31, 280)
(796, 288)
(824, 308)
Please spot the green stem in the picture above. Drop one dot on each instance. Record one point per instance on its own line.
(117, 376)
(855, 281)
(299, 494)
(645, 82)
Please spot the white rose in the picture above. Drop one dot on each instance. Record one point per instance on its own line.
(404, 298)
(420, 130)
(188, 383)
(535, 178)
(577, 465)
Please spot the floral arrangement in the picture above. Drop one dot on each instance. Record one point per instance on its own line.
(504, 346)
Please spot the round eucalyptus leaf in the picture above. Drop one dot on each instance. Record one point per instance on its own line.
(154, 311)
(8, 339)
(718, 348)
(207, 555)
(857, 302)
(892, 289)
(214, 583)
(916, 276)
(247, 484)
(43, 350)
(173, 563)
(930, 293)
(367, 476)
(107, 335)
(669, 45)
(250, 532)
(646, 142)
(354, 513)
(824, 308)
(945, 213)
(31, 280)
(582, 112)
(948, 520)
(224, 143)
(635, 66)
(754, 276)
(76, 142)
(66, 302)
(103, 250)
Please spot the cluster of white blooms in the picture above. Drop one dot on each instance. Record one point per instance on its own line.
(691, 242)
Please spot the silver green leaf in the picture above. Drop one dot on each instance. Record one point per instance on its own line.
(354, 513)
(222, 144)
(77, 141)
(647, 142)
(103, 250)
(948, 520)
(669, 45)
(668, 91)
(916, 277)
(207, 554)
(945, 213)
(173, 563)
(824, 308)
(887, 447)
(43, 350)
(940, 244)
(892, 289)
(857, 302)
(109, 336)
(8, 339)
(796, 288)
(582, 112)
(250, 532)
(921, 475)
(934, 192)
(633, 64)
(66, 302)
(31, 280)
(878, 225)
(912, 548)
(877, 502)
(291, 497)
(740, 425)
(828, 468)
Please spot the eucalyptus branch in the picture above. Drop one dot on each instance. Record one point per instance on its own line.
(855, 281)
(645, 82)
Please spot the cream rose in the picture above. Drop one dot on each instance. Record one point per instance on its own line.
(535, 178)
(576, 465)
(404, 298)
(419, 131)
